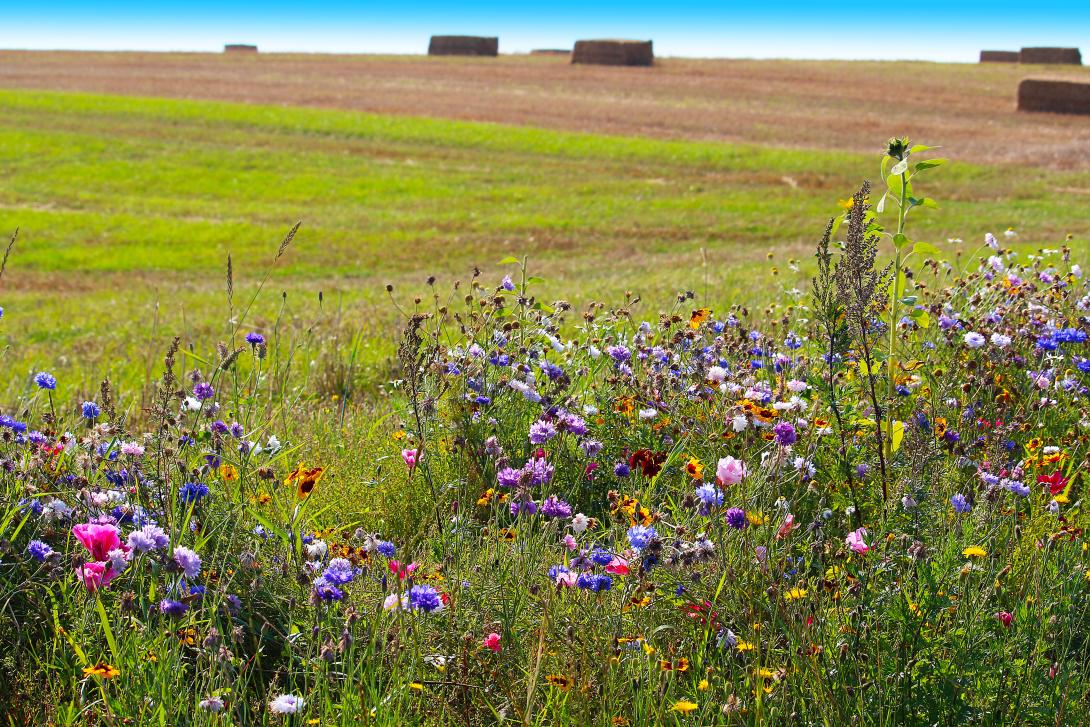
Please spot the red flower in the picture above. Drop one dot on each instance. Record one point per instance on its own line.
(1056, 482)
(647, 461)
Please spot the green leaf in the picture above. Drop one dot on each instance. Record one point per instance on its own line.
(921, 317)
(105, 620)
(897, 435)
(509, 260)
(535, 279)
(900, 167)
(900, 240)
(921, 148)
(929, 164)
(881, 204)
(926, 248)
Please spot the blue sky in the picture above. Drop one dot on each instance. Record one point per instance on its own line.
(953, 30)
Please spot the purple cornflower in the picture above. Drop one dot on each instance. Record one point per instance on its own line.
(172, 608)
(203, 391)
(785, 434)
(640, 536)
(526, 507)
(339, 571)
(90, 410)
(45, 380)
(621, 469)
(619, 353)
(555, 507)
(188, 561)
(38, 550)
(591, 447)
(541, 432)
(254, 338)
(149, 537)
(236, 430)
(424, 598)
(736, 518)
(961, 505)
(508, 477)
(594, 583)
(326, 591)
(540, 471)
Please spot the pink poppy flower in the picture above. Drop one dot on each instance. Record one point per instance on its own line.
(99, 539)
(617, 566)
(492, 641)
(730, 471)
(1006, 617)
(855, 541)
(94, 575)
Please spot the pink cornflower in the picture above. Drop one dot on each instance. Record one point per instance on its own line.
(409, 455)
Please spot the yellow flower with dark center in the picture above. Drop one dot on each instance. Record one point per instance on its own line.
(699, 316)
(680, 665)
(940, 428)
(560, 681)
(744, 646)
(101, 669)
(304, 480)
(228, 473)
(695, 468)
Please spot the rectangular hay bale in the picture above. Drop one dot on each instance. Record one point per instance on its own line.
(239, 48)
(999, 56)
(463, 45)
(614, 52)
(1058, 96)
(1055, 56)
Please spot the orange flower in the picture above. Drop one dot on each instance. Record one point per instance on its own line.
(101, 669)
(698, 317)
(304, 480)
(228, 473)
(563, 682)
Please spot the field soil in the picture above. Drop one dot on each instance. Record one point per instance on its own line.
(794, 104)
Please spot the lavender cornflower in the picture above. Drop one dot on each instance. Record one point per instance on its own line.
(38, 550)
(326, 591)
(339, 571)
(424, 598)
(961, 505)
(541, 432)
(619, 353)
(149, 537)
(188, 561)
(785, 434)
(555, 507)
(203, 390)
(736, 518)
(710, 495)
(45, 380)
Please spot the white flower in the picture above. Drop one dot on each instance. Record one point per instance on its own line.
(132, 449)
(1009, 233)
(973, 339)
(579, 522)
(317, 550)
(796, 386)
(996, 263)
(739, 422)
(648, 413)
(393, 602)
(1000, 341)
(211, 704)
(286, 704)
(273, 444)
(1076, 271)
(717, 374)
(594, 352)
(991, 242)
(192, 404)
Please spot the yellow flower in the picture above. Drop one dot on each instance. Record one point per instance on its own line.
(228, 473)
(101, 669)
(561, 681)
(698, 317)
(974, 551)
(695, 468)
(755, 518)
(703, 685)
(417, 686)
(795, 594)
(304, 480)
(744, 646)
(684, 706)
(398, 435)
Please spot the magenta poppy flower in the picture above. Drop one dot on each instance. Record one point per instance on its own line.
(99, 539)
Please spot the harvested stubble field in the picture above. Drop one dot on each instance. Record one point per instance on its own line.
(144, 199)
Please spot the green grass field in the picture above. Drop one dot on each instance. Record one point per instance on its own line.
(128, 209)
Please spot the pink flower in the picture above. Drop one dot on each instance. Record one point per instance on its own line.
(409, 455)
(567, 580)
(730, 471)
(569, 542)
(855, 541)
(99, 539)
(94, 575)
(617, 566)
(401, 570)
(786, 528)
(492, 641)
(1006, 617)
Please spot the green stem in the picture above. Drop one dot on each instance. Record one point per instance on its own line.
(894, 297)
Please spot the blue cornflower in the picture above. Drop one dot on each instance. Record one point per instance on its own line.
(339, 571)
(254, 338)
(45, 380)
(172, 608)
(710, 495)
(326, 591)
(386, 548)
(38, 550)
(601, 557)
(594, 582)
(640, 535)
(90, 410)
(424, 598)
(192, 492)
(621, 469)
(961, 505)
